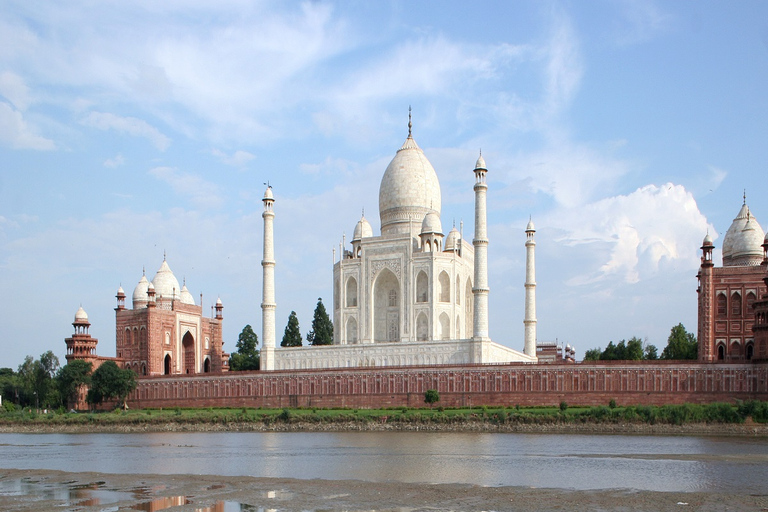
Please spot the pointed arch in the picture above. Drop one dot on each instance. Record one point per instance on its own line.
(351, 292)
(188, 349)
(468, 312)
(722, 305)
(422, 287)
(736, 304)
(351, 331)
(167, 364)
(422, 327)
(386, 309)
(444, 287)
(445, 326)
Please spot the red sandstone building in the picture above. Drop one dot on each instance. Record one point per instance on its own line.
(165, 332)
(732, 299)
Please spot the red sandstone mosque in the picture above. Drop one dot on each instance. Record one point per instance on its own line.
(163, 333)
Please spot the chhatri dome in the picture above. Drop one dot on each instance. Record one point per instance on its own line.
(409, 189)
(742, 244)
(166, 284)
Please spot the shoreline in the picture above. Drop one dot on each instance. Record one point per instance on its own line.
(749, 429)
(212, 493)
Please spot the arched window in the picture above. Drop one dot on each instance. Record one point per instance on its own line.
(351, 292)
(422, 327)
(458, 291)
(167, 365)
(445, 327)
(720, 352)
(736, 304)
(750, 352)
(750, 303)
(351, 331)
(722, 305)
(392, 298)
(422, 287)
(444, 282)
(386, 313)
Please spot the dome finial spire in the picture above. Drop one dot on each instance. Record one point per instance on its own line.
(745, 196)
(410, 123)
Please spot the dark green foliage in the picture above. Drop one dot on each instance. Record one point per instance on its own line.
(247, 355)
(681, 344)
(322, 327)
(34, 383)
(110, 382)
(651, 353)
(592, 354)
(563, 406)
(70, 377)
(292, 335)
(431, 397)
(612, 404)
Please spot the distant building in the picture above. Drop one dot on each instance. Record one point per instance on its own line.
(166, 333)
(555, 352)
(732, 296)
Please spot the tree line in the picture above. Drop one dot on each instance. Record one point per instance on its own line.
(681, 345)
(44, 384)
(247, 356)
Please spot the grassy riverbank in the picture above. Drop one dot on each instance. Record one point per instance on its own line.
(746, 417)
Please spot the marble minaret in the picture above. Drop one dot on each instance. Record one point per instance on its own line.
(530, 291)
(480, 243)
(268, 291)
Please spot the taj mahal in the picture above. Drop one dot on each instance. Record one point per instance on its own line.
(410, 296)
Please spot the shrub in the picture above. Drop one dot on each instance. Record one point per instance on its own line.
(612, 404)
(563, 406)
(285, 415)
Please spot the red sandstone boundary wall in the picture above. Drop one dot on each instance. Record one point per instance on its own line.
(649, 383)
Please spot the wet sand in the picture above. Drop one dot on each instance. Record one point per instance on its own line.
(54, 490)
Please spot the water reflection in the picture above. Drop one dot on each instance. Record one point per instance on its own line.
(657, 463)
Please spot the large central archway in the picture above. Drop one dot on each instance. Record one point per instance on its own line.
(188, 346)
(386, 307)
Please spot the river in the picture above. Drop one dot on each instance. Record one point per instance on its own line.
(576, 462)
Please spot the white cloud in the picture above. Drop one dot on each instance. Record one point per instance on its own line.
(201, 192)
(15, 90)
(630, 237)
(16, 132)
(237, 159)
(129, 125)
(117, 161)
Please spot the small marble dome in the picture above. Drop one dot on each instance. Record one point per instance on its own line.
(186, 297)
(362, 230)
(140, 293)
(218, 301)
(431, 224)
(81, 317)
(268, 194)
(480, 164)
(707, 241)
(166, 285)
(742, 244)
(409, 189)
(530, 226)
(453, 240)
(120, 291)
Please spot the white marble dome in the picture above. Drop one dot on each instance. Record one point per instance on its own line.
(186, 297)
(81, 317)
(363, 229)
(165, 283)
(140, 293)
(409, 190)
(453, 240)
(742, 244)
(431, 224)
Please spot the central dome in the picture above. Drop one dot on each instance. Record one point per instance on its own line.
(409, 191)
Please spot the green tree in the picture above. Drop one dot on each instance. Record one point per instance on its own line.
(292, 335)
(634, 349)
(9, 384)
(70, 377)
(322, 327)
(247, 355)
(109, 381)
(651, 352)
(592, 354)
(681, 344)
(431, 397)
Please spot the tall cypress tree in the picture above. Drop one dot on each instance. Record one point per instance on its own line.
(292, 336)
(322, 327)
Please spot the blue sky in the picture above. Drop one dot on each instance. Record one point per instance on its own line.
(625, 129)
